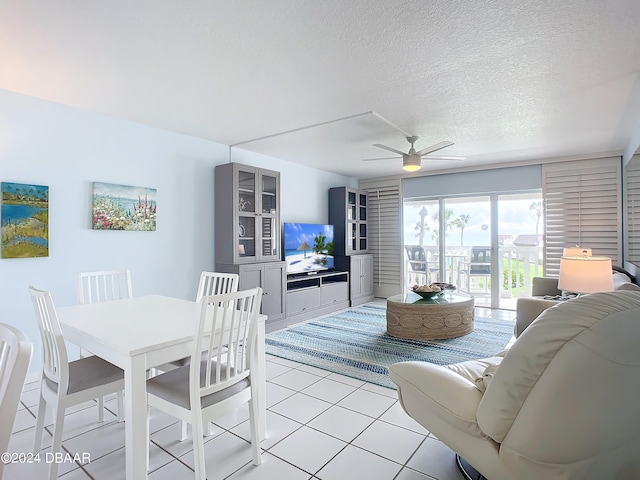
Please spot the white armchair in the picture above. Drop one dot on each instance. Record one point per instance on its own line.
(560, 404)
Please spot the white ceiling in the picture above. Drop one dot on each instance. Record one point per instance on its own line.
(507, 80)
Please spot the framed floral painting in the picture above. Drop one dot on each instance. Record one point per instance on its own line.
(122, 207)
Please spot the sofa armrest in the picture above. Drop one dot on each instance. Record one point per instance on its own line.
(438, 391)
(541, 286)
(528, 309)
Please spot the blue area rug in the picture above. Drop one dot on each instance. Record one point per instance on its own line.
(355, 343)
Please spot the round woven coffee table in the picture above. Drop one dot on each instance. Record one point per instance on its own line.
(443, 316)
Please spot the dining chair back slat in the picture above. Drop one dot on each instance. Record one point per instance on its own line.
(235, 315)
(15, 355)
(55, 361)
(215, 283)
(104, 286)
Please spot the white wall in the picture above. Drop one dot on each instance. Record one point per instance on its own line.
(67, 149)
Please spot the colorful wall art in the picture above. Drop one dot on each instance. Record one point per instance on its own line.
(121, 207)
(25, 220)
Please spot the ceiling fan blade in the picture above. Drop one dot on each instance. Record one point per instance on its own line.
(433, 148)
(384, 158)
(389, 148)
(443, 157)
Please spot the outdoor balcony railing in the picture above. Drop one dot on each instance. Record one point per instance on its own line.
(517, 264)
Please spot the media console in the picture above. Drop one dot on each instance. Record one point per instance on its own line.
(314, 295)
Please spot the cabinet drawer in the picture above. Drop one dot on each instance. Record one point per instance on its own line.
(302, 300)
(334, 293)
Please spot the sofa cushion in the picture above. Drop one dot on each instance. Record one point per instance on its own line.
(483, 382)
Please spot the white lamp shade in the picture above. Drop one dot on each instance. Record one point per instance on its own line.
(576, 252)
(585, 274)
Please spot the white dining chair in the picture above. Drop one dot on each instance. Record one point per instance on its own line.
(65, 383)
(215, 383)
(103, 286)
(15, 355)
(211, 283)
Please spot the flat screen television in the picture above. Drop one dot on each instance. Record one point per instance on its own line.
(308, 247)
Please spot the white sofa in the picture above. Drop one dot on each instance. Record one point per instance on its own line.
(561, 403)
(528, 308)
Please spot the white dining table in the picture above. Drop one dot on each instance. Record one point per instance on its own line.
(137, 334)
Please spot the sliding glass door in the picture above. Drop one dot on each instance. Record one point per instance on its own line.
(489, 246)
(467, 245)
(520, 241)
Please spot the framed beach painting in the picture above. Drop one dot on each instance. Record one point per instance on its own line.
(122, 207)
(25, 220)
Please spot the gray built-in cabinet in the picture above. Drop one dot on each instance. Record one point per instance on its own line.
(348, 213)
(360, 269)
(247, 231)
(268, 276)
(247, 214)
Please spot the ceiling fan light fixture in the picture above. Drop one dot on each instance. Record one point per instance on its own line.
(411, 163)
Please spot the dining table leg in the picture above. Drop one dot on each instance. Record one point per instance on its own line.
(135, 395)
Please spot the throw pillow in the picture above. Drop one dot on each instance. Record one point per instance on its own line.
(619, 279)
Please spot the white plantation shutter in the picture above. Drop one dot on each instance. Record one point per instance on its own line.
(385, 234)
(632, 210)
(582, 207)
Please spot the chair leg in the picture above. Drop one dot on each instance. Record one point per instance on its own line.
(120, 407)
(183, 431)
(148, 435)
(101, 409)
(42, 411)
(253, 423)
(198, 447)
(57, 440)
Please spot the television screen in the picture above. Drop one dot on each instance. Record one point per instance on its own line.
(308, 247)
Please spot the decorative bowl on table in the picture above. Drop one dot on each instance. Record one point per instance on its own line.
(427, 291)
(444, 285)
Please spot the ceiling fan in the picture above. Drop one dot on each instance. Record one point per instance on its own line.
(412, 160)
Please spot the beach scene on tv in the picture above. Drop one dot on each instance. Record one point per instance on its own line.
(308, 247)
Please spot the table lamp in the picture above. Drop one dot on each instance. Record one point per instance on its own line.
(583, 274)
(576, 251)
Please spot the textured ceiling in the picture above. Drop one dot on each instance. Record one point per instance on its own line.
(505, 80)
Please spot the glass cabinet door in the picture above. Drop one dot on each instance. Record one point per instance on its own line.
(352, 244)
(246, 192)
(246, 236)
(363, 237)
(269, 229)
(362, 207)
(269, 193)
(352, 209)
(269, 237)
(246, 214)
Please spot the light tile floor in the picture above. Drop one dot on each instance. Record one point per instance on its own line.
(321, 425)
